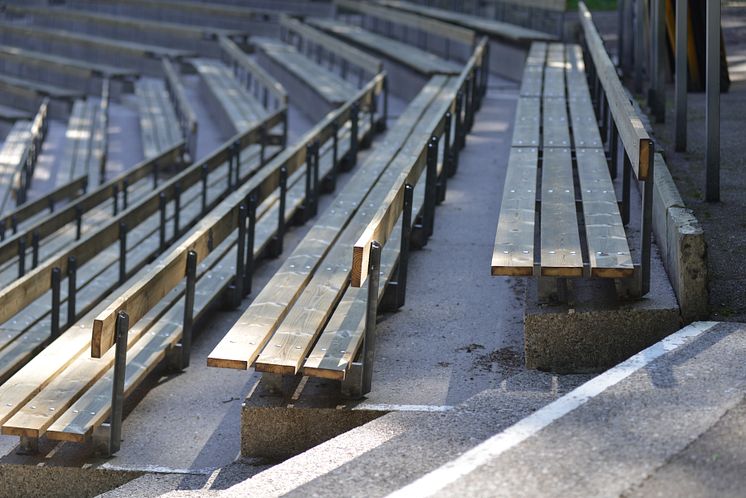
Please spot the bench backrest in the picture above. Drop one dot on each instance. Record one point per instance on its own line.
(221, 222)
(382, 225)
(354, 56)
(260, 80)
(638, 145)
(435, 27)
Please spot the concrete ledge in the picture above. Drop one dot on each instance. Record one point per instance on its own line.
(595, 331)
(683, 248)
(277, 426)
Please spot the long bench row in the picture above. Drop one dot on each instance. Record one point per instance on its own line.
(312, 318)
(18, 158)
(160, 127)
(77, 390)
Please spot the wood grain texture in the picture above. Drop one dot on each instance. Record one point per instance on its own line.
(561, 255)
(608, 250)
(527, 123)
(513, 253)
(555, 127)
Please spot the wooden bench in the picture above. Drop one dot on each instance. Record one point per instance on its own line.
(137, 56)
(184, 110)
(158, 300)
(254, 78)
(85, 143)
(106, 257)
(309, 319)
(509, 43)
(548, 227)
(29, 95)
(231, 105)
(314, 89)
(408, 66)
(160, 33)
(259, 22)
(159, 125)
(18, 158)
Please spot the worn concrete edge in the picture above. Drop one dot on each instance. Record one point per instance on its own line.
(435, 481)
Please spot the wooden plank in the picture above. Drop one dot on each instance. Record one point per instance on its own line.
(527, 122)
(561, 255)
(63, 64)
(584, 124)
(555, 127)
(240, 57)
(555, 5)
(554, 71)
(513, 253)
(483, 26)
(435, 27)
(352, 55)
(637, 143)
(608, 249)
(243, 343)
(419, 60)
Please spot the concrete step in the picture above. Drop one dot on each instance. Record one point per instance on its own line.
(668, 420)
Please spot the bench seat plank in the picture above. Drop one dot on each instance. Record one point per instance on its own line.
(527, 122)
(554, 71)
(333, 88)
(608, 250)
(423, 62)
(561, 255)
(584, 124)
(533, 72)
(513, 253)
(556, 132)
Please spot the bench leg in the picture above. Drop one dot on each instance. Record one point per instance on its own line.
(28, 446)
(552, 290)
(352, 385)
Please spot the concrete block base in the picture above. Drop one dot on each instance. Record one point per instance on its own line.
(595, 330)
(277, 426)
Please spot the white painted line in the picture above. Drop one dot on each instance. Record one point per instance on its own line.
(404, 408)
(438, 479)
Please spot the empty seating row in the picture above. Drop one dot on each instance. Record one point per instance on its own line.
(65, 72)
(315, 89)
(166, 34)
(112, 251)
(184, 110)
(85, 142)
(132, 55)
(18, 158)
(408, 66)
(72, 391)
(159, 125)
(310, 319)
(559, 189)
(231, 105)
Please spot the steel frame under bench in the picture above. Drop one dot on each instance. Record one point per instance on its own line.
(152, 318)
(317, 298)
(560, 217)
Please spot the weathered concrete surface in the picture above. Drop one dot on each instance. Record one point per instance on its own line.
(647, 420)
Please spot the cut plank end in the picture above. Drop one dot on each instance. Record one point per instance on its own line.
(19, 431)
(613, 272)
(96, 338)
(549, 271)
(275, 368)
(358, 255)
(512, 271)
(323, 373)
(225, 363)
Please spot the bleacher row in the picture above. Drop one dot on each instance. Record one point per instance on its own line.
(110, 274)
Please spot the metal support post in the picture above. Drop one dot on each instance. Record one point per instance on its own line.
(646, 225)
(122, 252)
(395, 295)
(712, 106)
(177, 209)
(681, 80)
(204, 188)
(639, 44)
(446, 170)
(614, 150)
(191, 284)
(125, 187)
(115, 199)
(117, 390)
(369, 341)
(240, 257)
(352, 154)
(626, 188)
(78, 222)
(315, 204)
(431, 186)
(35, 249)
(279, 236)
(162, 224)
(250, 238)
(72, 289)
(21, 257)
(55, 314)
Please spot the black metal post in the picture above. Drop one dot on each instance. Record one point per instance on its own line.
(430, 186)
(316, 193)
(352, 154)
(35, 249)
(369, 341)
(626, 188)
(125, 187)
(122, 252)
(115, 199)
(55, 317)
(177, 209)
(204, 188)
(191, 284)
(117, 391)
(21, 257)
(237, 155)
(240, 257)
(250, 238)
(279, 236)
(78, 222)
(162, 226)
(72, 288)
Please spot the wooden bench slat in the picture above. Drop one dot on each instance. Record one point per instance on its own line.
(584, 124)
(554, 71)
(556, 132)
(608, 250)
(527, 122)
(561, 255)
(513, 253)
